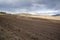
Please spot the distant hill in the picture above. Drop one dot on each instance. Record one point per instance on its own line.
(56, 15)
(24, 14)
(3, 13)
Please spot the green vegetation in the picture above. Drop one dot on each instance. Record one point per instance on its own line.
(24, 14)
(3, 13)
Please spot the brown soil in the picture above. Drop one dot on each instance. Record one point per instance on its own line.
(28, 28)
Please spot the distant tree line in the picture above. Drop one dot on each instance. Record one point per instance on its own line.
(3, 13)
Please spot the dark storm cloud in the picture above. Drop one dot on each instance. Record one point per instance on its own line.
(49, 3)
(29, 5)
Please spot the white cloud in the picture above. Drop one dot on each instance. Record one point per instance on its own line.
(9, 1)
(21, 10)
(36, 6)
(48, 11)
(52, 11)
(31, 6)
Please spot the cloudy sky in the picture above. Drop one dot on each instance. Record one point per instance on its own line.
(31, 6)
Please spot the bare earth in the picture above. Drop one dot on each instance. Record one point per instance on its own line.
(28, 28)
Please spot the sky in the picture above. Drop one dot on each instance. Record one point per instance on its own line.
(30, 6)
